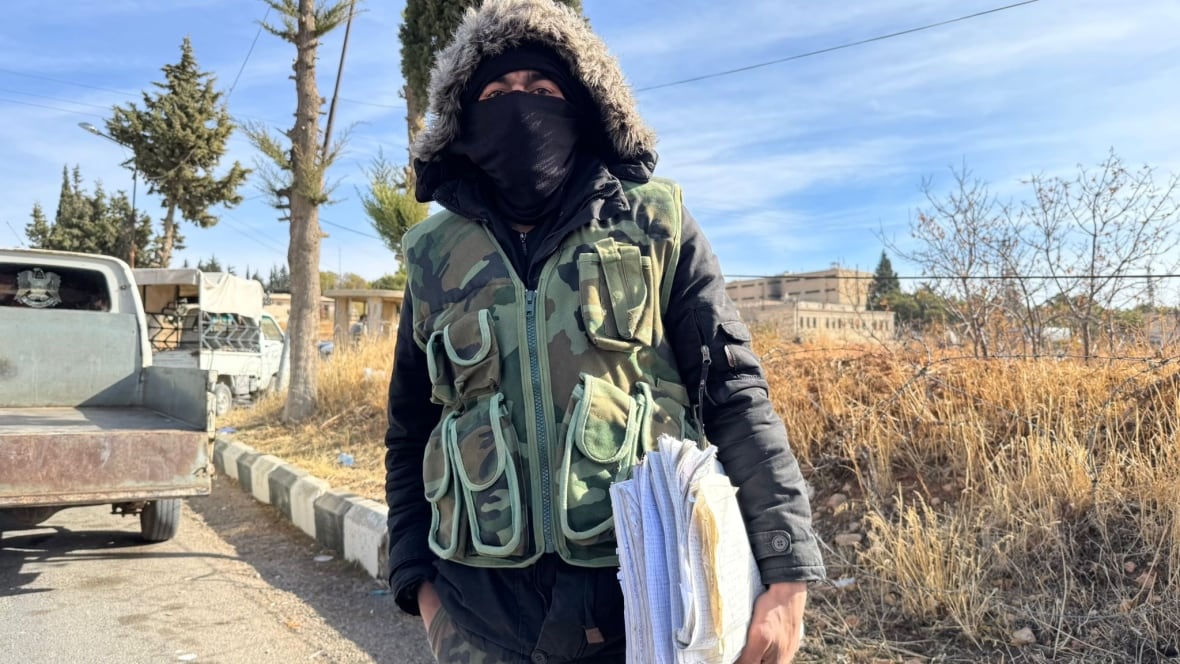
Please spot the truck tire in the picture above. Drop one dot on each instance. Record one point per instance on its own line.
(223, 399)
(160, 519)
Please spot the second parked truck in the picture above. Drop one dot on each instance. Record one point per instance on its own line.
(213, 321)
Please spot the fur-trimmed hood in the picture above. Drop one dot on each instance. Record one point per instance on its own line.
(502, 24)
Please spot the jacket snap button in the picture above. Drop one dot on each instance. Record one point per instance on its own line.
(539, 658)
(779, 543)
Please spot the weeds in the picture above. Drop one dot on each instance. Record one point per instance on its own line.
(991, 496)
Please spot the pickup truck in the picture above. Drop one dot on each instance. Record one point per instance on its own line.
(85, 418)
(214, 321)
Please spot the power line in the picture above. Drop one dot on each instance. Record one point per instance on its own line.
(830, 49)
(51, 108)
(350, 230)
(240, 227)
(398, 107)
(248, 54)
(19, 236)
(67, 101)
(123, 93)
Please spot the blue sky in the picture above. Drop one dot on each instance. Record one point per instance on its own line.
(789, 167)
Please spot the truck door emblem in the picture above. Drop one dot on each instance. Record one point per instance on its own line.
(38, 289)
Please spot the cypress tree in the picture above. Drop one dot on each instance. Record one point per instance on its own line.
(885, 283)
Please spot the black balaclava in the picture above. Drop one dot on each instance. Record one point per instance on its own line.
(526, 144)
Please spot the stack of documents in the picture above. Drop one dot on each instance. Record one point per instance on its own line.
(689, 578)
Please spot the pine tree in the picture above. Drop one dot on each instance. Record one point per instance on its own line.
(390, 205)
(39, 231)
(885, 283)
(279, 280)
(178, 138)
(91, 223)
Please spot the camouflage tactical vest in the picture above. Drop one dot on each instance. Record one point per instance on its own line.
(548, 395)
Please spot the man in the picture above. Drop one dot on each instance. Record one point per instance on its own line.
(561, 312)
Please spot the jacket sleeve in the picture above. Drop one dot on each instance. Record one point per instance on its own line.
(708, 338)
(412, 416)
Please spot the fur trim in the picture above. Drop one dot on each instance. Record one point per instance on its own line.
(502, 24)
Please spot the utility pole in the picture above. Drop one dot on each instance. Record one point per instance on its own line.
(129, 229)
(339, 75)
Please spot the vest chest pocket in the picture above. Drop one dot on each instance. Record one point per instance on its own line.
(472, 483)
(613, 283)
(463, 359)
(604, 426)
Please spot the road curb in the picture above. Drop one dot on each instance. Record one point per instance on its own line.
(352, 526)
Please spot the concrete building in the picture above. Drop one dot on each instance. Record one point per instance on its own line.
(380, 308)
(829, 303)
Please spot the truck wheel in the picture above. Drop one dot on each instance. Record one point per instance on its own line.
(160, 519)
(223, 399)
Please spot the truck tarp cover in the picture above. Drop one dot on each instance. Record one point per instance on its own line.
(219, 293)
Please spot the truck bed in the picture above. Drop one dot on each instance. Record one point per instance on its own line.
(98, 455)
(56, 421)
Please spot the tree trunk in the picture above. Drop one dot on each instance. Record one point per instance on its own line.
(169, 237)
(415, 124)
(303, 252)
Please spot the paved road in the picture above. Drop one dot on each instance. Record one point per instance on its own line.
(237, 584)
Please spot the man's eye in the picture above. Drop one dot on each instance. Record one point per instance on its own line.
(542, 91)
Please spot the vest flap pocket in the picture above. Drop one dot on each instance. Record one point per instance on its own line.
(613, 287)
(442, 383)
(469, 339)
(482, 446)
(471, 351)
(445, 501)
(600, 449)
(436, 467)
(604, 426)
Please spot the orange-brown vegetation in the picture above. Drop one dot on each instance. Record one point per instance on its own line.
(971, 510)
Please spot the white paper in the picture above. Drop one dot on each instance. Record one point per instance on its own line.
(688, 575)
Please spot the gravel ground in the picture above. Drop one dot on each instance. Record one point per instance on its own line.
(237, 585)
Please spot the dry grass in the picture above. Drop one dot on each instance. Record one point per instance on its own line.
(990, 496)
(350, 420)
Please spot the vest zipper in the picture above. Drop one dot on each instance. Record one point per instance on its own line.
(539, 413)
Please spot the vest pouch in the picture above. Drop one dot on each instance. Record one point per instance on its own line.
(483, 446)
(442, 383)
(613, 283)
(441, 492)
(472, 355)
(604, 426)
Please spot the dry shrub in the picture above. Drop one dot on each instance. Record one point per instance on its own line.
(350, 419)
(935, 579)
(995, 494)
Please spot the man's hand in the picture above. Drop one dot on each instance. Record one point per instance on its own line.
(428, 603)
(775, 629)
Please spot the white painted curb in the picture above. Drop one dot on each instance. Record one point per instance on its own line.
(303, 495)
(365, 535)
(233, 452)
(260, 476)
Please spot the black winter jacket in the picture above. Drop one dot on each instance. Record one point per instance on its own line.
(704, 329)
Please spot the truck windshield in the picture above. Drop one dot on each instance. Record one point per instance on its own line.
(52, 287)
(271, 330)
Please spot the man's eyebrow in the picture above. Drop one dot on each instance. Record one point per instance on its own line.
(532, 76)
